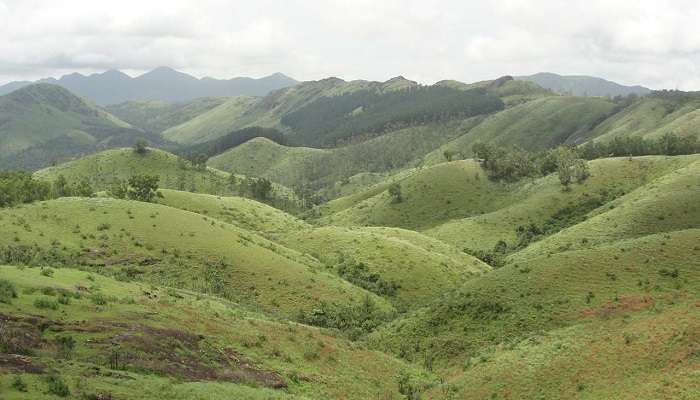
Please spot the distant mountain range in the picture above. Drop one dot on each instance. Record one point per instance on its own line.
(163, 83)
(581, 85)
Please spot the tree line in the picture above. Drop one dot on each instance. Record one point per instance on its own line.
(20, 187)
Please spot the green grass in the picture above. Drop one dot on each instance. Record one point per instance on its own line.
(651, 117)
(666, 204)
(104, 168)
(241, 212)
(422, 266)
(150, 342)
(549, 292)
(534, 125)
(540, 201)
(51, 119)
(172, 247)
(157, 116)
(214, 123)
(431, 196)
(643, 355)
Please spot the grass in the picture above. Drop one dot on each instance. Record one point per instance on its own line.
(652, 117)
(50, 119)
(541, 201)
(104, 168)
(157, 116)
(431, 196)
(241, 212)
(168, 246)
(422, 267)
(154, 342)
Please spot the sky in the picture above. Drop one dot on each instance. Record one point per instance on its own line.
(653, 43)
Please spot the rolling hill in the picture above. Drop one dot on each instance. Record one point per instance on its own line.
(420, 267)
(162, 83)
(98, 338)
(105, 168)
(148, 241)
(157, 116)
(41, 124)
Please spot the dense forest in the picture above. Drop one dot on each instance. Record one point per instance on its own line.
(331, 121)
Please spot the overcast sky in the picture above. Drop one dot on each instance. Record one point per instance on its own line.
(629, 41)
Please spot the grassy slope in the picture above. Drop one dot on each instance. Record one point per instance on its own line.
(431, 196)
(214, 123)
(244, 213)
(104, 168)
(37, 114)
(328, 168)
(640, 253)
(535, 125)
(550, 292)
(175, 248)
(174, 344)
(538, 201)
(422, 266)
(643, 355)
(666, 204)
(652, 117)
(241, 112)
(157, 116)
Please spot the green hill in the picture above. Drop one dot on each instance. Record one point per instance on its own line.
(104, 168)
(157, 116)
(430, 196)
(422, 267)
(99, 338)
(43, 123)
(172, 247)
(544, 204)
(653, 116)
(535, 125)
(241, 212)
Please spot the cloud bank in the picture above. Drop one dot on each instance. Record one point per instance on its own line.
(630, 41)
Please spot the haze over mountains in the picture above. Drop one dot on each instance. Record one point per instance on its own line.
(581, 85)
(163, 83)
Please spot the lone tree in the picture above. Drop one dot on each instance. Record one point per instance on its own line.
(141, 147)
(395, 192)
(143, 188)
(449, 155)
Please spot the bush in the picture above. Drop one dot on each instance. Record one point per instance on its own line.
(57, 387)
(47, 272)
(45, 303)
(7, 291)
(18, 384)
(99, 299)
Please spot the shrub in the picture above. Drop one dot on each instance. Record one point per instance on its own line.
(7, 291)
(57, 387)
(45, 303)
(18, 384)
(99, 299)
(47, 272)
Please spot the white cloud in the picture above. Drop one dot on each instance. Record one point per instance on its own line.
(633, 41)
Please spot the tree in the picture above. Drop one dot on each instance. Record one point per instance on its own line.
(60, 187)
(199, 161)
(395, 192)
(581, 170)
(141, 147)
(261, 188)
(118, 189)
(143, 188)
(449, 154)
(83, 188)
